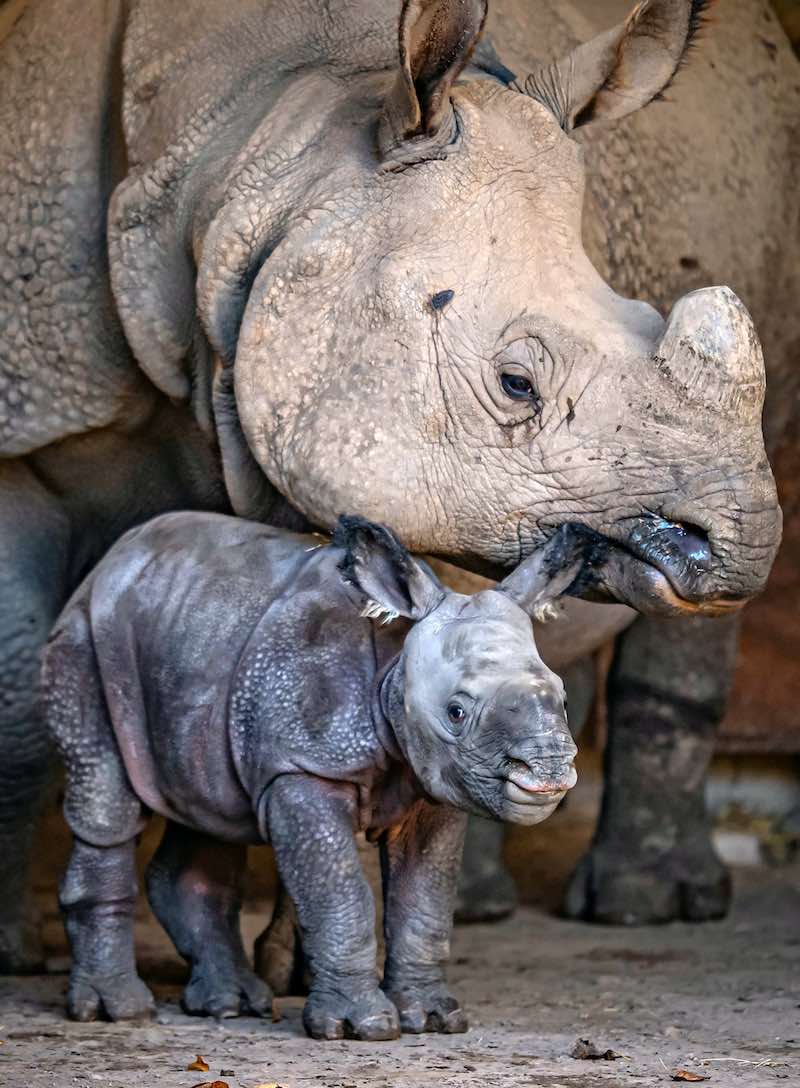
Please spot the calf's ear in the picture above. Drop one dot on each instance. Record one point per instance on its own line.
(376, 563)
(623, 69)
(436, 38)
(551, 570)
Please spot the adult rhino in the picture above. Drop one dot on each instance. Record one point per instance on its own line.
(252, 260)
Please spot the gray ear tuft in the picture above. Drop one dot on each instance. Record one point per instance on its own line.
(552, 570)
(376, 563)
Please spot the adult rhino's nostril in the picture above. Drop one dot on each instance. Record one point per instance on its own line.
(687, 540)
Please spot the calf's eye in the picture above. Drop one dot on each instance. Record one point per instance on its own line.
(456, 713)
(517, 386)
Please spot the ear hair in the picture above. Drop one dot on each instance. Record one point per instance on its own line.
(373, 610)
(545, 612)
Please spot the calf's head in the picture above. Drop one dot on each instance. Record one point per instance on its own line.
(478, 715)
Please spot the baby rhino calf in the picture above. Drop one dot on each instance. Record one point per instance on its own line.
(235, 679)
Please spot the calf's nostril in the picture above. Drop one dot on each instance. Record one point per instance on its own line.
(554, 775)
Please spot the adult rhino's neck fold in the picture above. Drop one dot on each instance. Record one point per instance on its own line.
(300, 157)
(250, 492)
(194, 125)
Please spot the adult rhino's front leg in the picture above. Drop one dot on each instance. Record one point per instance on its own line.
(652, 859)
(34, 536)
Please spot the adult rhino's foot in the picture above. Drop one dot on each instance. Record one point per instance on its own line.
(614, 888)
(20, 948)
(226, 993)
(371, 1016)
(117, 996)
(486, 889)
(427, 1008)
(652, 859)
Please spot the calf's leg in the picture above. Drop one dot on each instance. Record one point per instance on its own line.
(194, 885)
(311, 824)
(98, 898)
(420, 862)
(652, 859)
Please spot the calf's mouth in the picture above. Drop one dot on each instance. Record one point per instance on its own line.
(524, 786)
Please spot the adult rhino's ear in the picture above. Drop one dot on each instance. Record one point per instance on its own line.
(622, 70)
(392, 582)
(436, 39)
(551, 570)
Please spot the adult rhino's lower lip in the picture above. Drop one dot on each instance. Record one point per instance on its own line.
(648, 587)
(650, 564)
(658, 565)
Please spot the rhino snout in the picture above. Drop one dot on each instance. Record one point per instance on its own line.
(542, 782)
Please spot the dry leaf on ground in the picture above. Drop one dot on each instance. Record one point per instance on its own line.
(586, 1050)
(687, 1075)
(212, 1084)
(199, 1065)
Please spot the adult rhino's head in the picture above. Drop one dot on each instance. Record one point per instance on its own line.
(394, 281)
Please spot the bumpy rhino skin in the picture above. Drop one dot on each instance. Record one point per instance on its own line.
(287, 713)
(173, 176)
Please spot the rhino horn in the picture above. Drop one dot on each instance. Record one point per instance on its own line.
(711, 351)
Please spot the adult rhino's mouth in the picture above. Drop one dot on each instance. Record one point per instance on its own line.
(653, 564)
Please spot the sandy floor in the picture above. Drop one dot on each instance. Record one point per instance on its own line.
(720, 1000)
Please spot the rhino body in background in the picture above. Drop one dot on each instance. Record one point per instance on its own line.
(249, 260)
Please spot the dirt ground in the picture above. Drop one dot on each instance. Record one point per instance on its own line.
(720, 1000)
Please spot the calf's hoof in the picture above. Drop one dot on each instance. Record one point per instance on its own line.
(226, 993)
(613, 891)
(428, 1009)
(20, 949)
(110, 997)
(371, 1017)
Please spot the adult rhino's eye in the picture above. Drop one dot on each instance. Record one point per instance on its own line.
(456, 713)
(517, 386)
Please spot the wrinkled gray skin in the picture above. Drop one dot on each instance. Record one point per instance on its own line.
(250, 260)
(285, 712)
